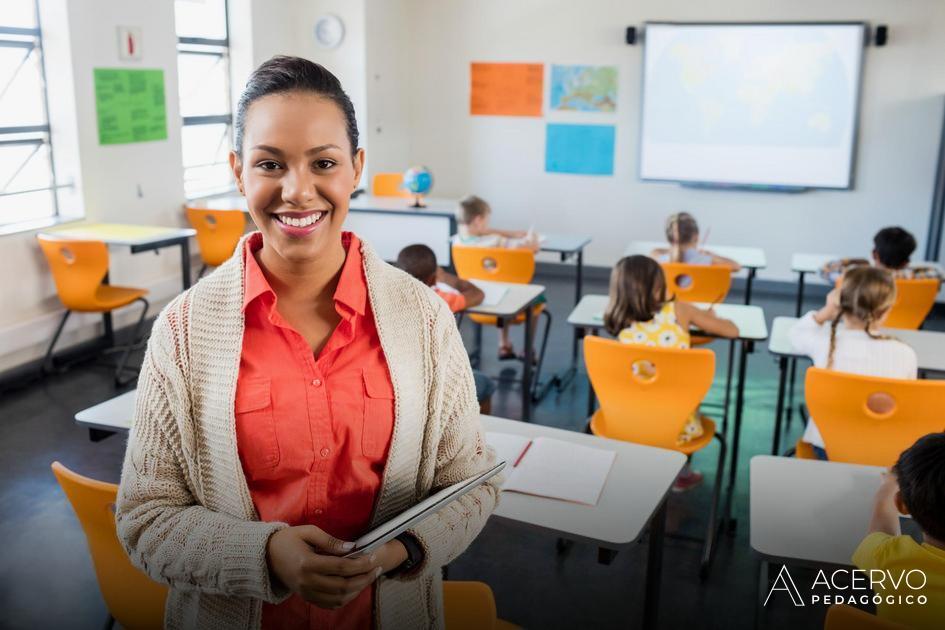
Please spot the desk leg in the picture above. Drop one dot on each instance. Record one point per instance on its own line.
(578, 284)
(728, 385)
(107, 322)
(97, 435)
(799, 300)
(654, 568)
(591, 399)
(736, 433)
(751, 277)
(185, 262)
(779, 408)
(527, 369)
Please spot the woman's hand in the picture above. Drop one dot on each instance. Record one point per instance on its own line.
(306, 560)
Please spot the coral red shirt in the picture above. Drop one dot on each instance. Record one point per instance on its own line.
(456, 301)
(313, 432)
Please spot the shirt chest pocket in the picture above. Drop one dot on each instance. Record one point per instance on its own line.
(378, 413)
(256, 426)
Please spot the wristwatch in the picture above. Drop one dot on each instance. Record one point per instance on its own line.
(414, 555)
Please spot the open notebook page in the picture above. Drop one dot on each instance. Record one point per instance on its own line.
(494, 293)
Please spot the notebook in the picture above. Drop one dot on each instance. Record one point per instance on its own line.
(494, 293)
(552, 468)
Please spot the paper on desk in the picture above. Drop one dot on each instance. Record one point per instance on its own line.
(494, 293)
(508, 446)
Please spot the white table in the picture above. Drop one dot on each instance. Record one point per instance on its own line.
(751, 258)
(929, 348)
(750, 321)
(633, 496)
(518, 298)
(112, 416)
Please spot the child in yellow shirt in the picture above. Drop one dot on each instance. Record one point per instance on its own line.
(916, 487)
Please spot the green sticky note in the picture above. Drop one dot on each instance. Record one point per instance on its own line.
(130, 105)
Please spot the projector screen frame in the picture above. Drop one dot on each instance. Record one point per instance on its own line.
(756, 186)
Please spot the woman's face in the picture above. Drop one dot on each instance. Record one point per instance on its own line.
(297, 173)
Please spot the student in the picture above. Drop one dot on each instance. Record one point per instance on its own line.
(914, 487)
(682, 233)
(639, 312)
(842, 335)
(298, 395)
(420, 262)
(474, 231)
(892, 249)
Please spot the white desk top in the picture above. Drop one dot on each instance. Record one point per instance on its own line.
(810, 510)
(812, 263)
(748, 257)
(750, 320)
(638, 481)
(516, 298)
(929, 345)
(565, 243)
(120, 233)
(112, 415)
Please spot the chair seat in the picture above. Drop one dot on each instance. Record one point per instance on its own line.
(708, 432)
(804, 450)
(491, 320)
(108, 297)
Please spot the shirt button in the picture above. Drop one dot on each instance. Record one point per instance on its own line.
(317, 382)
(325, 452)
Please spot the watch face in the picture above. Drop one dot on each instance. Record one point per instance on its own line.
(329, 31)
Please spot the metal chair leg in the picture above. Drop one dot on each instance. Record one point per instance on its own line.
(713, 528)
(47, 364)
(124, 355)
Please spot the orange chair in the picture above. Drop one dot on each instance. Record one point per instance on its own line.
(914, 300)
(650, 406)
(843, 617)
(78, 268)
(854, 433)
(502, 264)
(133, 599)
(389, 185)
(471, 606)
(218, 233)
(698, 283)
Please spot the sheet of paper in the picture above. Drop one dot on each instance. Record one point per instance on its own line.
(494, 293)
(506, 89)
(508, 446)
(561, 470)
(129, 105)
(579, 149)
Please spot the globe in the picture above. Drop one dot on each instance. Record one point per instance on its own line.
(419, 181)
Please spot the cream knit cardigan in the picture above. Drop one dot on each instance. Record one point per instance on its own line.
(184, 512)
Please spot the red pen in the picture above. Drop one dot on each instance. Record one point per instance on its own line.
(522, 456)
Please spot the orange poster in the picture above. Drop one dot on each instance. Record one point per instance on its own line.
(506, 89)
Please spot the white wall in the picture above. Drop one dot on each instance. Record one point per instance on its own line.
(419, 64)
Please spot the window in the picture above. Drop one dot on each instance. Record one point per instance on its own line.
(27, 178)
(204, 82)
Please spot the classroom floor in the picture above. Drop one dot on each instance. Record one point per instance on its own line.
(46, 576)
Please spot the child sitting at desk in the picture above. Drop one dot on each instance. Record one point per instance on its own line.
(420, 262)
(842, 335)
(892, 249)
(639, 312)
(916, 487)
(682, 233)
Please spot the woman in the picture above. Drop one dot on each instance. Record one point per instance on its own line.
(303, 393)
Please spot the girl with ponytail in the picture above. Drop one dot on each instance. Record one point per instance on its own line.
(844, 334)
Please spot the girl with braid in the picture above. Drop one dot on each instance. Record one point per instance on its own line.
(843, 335)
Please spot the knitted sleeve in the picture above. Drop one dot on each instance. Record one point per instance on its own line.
(461, 453)
(161, 524)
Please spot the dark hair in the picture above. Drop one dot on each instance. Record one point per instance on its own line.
(470, 208)
(637, 292)
(417, 260)
(893, 246)
(920, 471)
(282, 74)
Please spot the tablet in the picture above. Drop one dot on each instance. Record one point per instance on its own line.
(410, 517)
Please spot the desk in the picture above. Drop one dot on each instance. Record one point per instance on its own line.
(112, 416)
(518, 298)
(140, 238)
(751, 258)
(929, 348)
(568, 245)
(750, 321)
(388, 223)
(633, 496)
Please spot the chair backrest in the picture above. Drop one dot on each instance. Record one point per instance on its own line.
(218, 232)
(388, 185)
(651, 404)
(698, 283)
(853, 432)
(132, 598)
(78, 268)
(499, 264)
(843, 617)
(914, 299)
(468, 606)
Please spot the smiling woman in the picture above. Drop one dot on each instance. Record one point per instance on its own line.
(301, 394)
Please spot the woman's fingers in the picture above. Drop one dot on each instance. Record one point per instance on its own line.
(343, 567)
(324, 541)
(332, 591)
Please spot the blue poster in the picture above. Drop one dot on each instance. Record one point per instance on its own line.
(580, 149)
